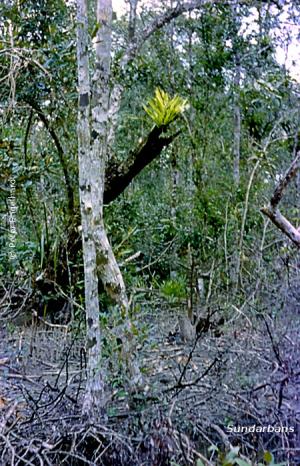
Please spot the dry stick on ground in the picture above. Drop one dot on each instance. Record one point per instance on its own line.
(272, 210)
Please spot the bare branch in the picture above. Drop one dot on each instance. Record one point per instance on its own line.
(60, 151)
(159, 23)
(285, 180)
(283, 224)
(272, 211)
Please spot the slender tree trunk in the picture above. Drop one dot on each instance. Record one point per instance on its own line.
(237, 123)
(94, 396)
(107, 266)
(235, 275)
(236, 94)
(92, 151)
(93, 143)
(132, 19)
(236, 160)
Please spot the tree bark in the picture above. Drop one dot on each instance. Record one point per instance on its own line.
(118, 177)
(236, 96)
(94, 396)
(235, 272)
(107, 266)
(92, 153)
(132, 19)
(237, 123)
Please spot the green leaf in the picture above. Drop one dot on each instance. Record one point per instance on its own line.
(135, 330)
(163, 109)
(268, 457)
(95, 30)
(232, 454)
(200, 463)
(213, 448)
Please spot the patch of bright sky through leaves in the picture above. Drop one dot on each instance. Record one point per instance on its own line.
(288, 34)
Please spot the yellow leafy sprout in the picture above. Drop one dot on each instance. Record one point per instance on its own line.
(163, 109)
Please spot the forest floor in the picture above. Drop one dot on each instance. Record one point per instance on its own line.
(247, 374)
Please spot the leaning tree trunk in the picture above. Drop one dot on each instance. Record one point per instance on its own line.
(97, 253)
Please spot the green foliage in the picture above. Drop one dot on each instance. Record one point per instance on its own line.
(174, 288)
(233, 458)
(163, 109)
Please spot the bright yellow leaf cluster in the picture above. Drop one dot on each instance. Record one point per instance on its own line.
(163, 109)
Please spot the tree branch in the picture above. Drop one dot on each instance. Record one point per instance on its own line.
(60, 151)
(164, 19)
(118, 177)
(159, 23)
(272, 211)
(285, 180)
(135, 43)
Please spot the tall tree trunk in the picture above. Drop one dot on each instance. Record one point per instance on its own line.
(236, 97)
(107, 266)
(92, 149)
(236, 160)
(132, 19)
(237, 123)
(94, 396)
(235, 272)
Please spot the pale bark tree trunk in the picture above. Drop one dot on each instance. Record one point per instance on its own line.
(236, 97)
(236, 160)
(235, 275)
(97, 253)
(107, 266)
(95, 387)
(237, 123)
(132, 18)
